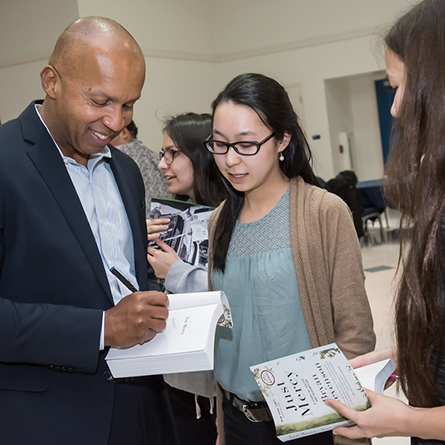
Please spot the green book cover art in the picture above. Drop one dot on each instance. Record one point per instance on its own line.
(295, 388)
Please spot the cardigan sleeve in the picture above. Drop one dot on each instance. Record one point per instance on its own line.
(337, 307)
(351, 312)
(328, 265)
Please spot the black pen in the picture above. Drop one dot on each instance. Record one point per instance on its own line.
(122, 279)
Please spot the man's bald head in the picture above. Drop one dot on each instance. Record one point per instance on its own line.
(94, 77)
(92, 34)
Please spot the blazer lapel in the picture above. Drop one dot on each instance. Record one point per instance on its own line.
(138, 243)
(49, 163)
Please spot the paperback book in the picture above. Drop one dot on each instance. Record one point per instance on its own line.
(186, 344)
(295, 388)
(187, 230)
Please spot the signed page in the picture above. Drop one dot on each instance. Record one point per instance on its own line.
(186, 344)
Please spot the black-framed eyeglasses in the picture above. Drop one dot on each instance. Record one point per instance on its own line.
(169, 155)
(243, 148)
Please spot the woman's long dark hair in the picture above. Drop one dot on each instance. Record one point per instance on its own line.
(188, 131)
(416, 186)
(271, 103)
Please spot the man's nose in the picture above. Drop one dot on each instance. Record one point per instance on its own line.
(114, 119)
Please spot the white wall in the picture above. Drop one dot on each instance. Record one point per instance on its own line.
(296, 97)
(194, 47)
(166, 28)
(28, 32)
(352, 107)
(367, 143)
(311, 67)
(29, 29)
(172, 86)
(272, 25)
(19, 85)
(177, 41)
(339, 108)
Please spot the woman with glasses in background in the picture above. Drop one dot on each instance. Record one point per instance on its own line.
(191, 174)
(283, 250)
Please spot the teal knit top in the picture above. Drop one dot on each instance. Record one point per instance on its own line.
(261, 286)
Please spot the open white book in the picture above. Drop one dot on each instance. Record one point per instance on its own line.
(375, 376)
(187, 343)
(295, 388)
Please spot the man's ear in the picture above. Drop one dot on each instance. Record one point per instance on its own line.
(126, 136)
(50, 81)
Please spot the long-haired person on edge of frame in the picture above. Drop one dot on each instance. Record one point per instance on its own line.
(415, 64)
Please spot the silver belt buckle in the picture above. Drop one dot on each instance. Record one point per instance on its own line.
(248, 414)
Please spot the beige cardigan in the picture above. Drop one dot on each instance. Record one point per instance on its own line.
(330, 277)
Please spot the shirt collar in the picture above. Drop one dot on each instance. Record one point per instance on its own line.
(105, 153)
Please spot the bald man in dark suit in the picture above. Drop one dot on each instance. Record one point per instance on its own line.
(71, 207)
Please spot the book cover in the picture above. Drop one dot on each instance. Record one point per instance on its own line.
(295, 388)
(187, 233)
(186, 344)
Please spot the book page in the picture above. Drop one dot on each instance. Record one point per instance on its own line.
(182, 301)
(184, 333)
(375, 376)
(194, 299)
(188, 326)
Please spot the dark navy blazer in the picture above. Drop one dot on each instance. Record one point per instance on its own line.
(53, 291)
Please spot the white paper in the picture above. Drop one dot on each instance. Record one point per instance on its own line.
(375, 376)
(187, 343)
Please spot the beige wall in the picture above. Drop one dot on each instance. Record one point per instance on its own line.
(29, 29)
(258, 25)
(194, 47)
(311, 67)
(166, 28)
(367, 143)
(172, 86)
(28, 32)
(339, 108)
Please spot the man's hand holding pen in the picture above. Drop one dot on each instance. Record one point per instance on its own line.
(136, 319)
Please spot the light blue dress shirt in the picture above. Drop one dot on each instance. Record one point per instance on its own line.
(106, 214)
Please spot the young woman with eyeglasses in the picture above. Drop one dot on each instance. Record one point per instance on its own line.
(191, 174)
(283, 250)
(415, 65)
